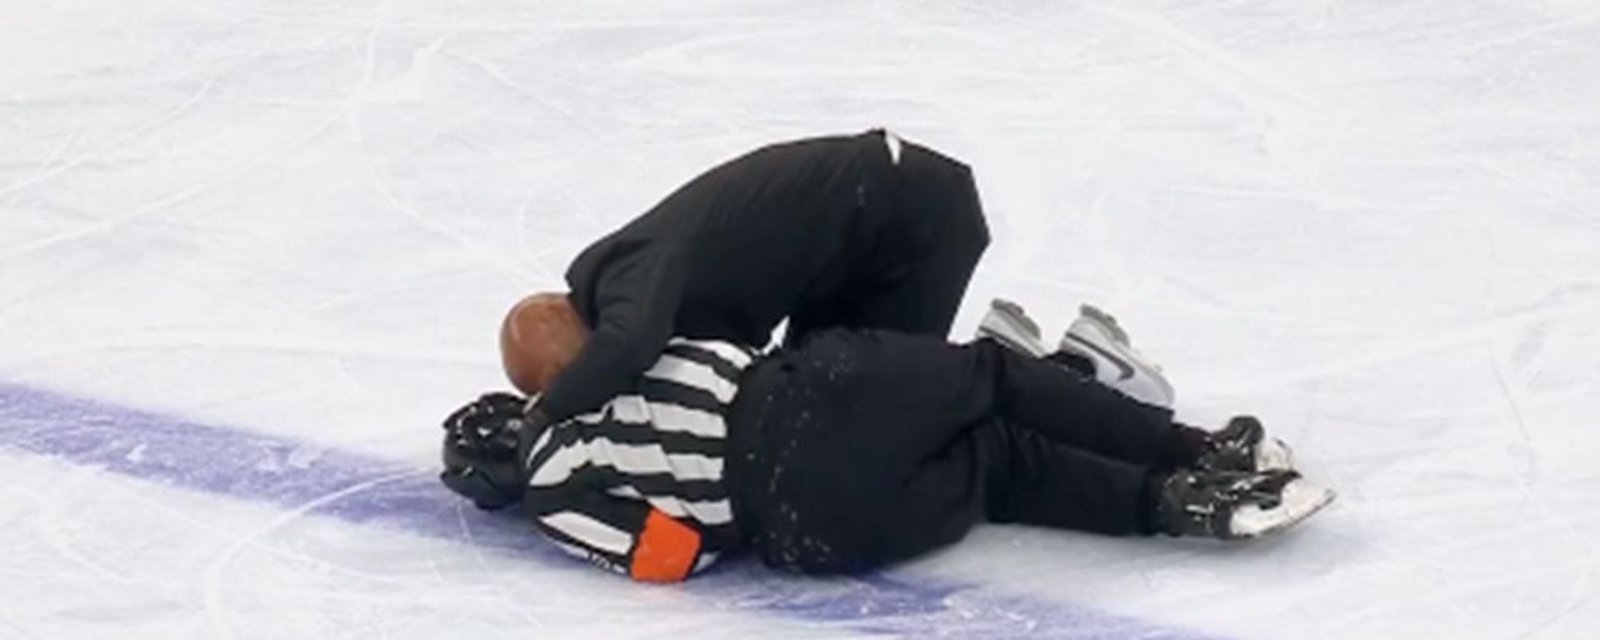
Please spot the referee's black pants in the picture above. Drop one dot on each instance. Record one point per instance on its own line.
(918, 261)
(858, 448)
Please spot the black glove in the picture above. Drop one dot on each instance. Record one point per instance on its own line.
(481, 445)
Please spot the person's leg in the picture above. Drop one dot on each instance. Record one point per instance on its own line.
(922, 257)
(998, 472)
(968, 384)
(1029, 479)
(1070, 408)
(876, 446)
(825, 442)
(993, 471)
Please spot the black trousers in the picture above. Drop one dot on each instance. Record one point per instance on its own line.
(920, 261)
(858, 448)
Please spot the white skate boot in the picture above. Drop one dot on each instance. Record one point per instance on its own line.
(1009, 325)
(1096, 336)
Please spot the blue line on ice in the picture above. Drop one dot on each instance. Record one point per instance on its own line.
(282, 472)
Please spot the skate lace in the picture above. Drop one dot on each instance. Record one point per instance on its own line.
(1219, 497)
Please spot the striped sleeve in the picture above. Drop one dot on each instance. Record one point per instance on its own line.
(637, 487)
(624, 534)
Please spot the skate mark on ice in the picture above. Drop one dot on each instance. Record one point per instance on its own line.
(367, 490)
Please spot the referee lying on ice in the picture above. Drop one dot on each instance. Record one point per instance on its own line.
(847, 450)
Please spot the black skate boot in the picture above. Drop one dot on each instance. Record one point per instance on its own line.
(1243, 445)
(1233, 505)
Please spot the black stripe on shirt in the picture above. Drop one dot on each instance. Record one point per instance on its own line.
(723, 368)
(679, 393)
(662, 485)
(670, 441)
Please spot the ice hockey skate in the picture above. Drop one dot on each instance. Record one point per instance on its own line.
(1008, 324)
(1233, 505)
(1243, 445)
(1094, 338)
(1097, 337)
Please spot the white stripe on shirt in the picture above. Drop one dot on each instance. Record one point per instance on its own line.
(630, 409)
(641, 459)
(712, 513)
(636, 410)
(593, 532)
(709, 512)
(693, 466)
(538, 445)
(632, 459)
(671, 417)
(560, 465)
(688, 372)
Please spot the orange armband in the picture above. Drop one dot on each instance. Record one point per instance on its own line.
(666, 550)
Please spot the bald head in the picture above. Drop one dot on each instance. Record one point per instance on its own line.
(540, 336)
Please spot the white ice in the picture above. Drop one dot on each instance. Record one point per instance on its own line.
(1376, 224)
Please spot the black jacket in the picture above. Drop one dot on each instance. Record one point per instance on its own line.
(727, 256)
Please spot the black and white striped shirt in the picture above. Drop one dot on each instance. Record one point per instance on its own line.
(636, 487)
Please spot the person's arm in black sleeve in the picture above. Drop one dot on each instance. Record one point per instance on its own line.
(637, 302)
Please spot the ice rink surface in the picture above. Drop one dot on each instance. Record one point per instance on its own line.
(252, 252)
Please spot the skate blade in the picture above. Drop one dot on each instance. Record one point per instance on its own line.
(1301, 499)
